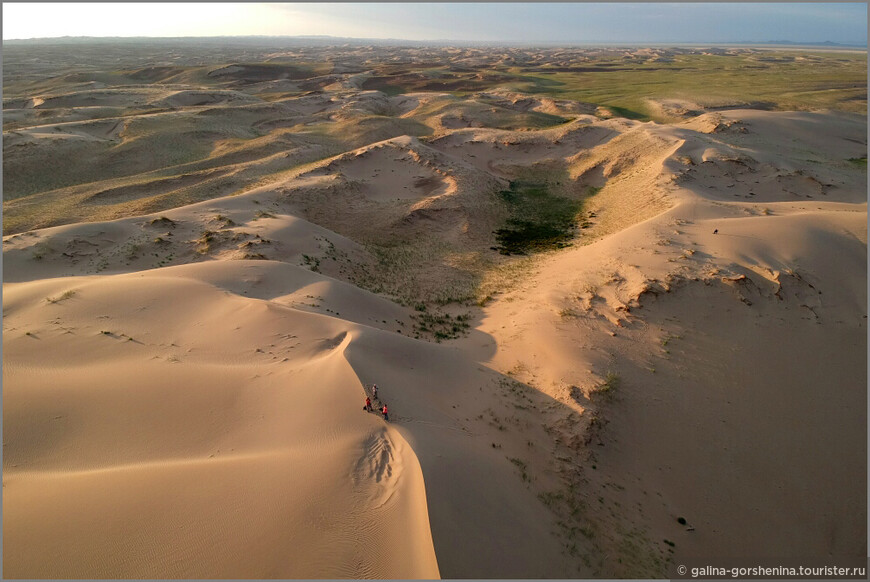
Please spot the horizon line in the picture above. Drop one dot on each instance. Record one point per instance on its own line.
(453, 41)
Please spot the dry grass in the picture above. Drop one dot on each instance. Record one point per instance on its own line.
(69, 293)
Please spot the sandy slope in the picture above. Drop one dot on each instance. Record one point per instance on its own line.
(187, 411)
(205, 408)
(171, 407)
(738, 358)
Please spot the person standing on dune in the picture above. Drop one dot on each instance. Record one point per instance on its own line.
(374, 390)
(384, 412)
(368, 405)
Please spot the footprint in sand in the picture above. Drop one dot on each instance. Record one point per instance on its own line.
(376, 473)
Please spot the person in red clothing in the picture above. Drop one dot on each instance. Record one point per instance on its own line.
(368, 405)
(384, 412)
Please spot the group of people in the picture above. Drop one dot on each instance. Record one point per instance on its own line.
(368, 404)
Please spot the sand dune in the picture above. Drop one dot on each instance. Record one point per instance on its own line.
(208, 329)
(230, 262)
(213, 424)
(685, 321)
(244, 380)
(252, 373)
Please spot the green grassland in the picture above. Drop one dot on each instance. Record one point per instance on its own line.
(814, 81)
(786, 80)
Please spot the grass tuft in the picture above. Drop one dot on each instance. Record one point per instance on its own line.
(521, 465)
(610, 384)
(63, 296)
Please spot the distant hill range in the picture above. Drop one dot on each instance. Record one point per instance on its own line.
(825, 43)
(325, 40)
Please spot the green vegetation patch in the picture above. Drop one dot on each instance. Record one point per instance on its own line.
(627, 113)
(776, 80)
(249, 73)
(413, 79)
(539, 220)
(442, 326)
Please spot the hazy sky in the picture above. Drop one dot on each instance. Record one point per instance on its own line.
(529, 21)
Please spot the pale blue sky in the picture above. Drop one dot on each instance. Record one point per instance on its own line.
(527, 22)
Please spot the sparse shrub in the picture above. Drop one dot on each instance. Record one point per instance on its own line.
(132, 251)
(551, 499)
(204, 241)
(611, 382)
(40, 250)
(521, 465)
(63, 296)
(443, 326)
(313, 262)
(227, 222)
(163, 222)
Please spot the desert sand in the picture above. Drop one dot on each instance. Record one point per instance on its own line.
(183, 382)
